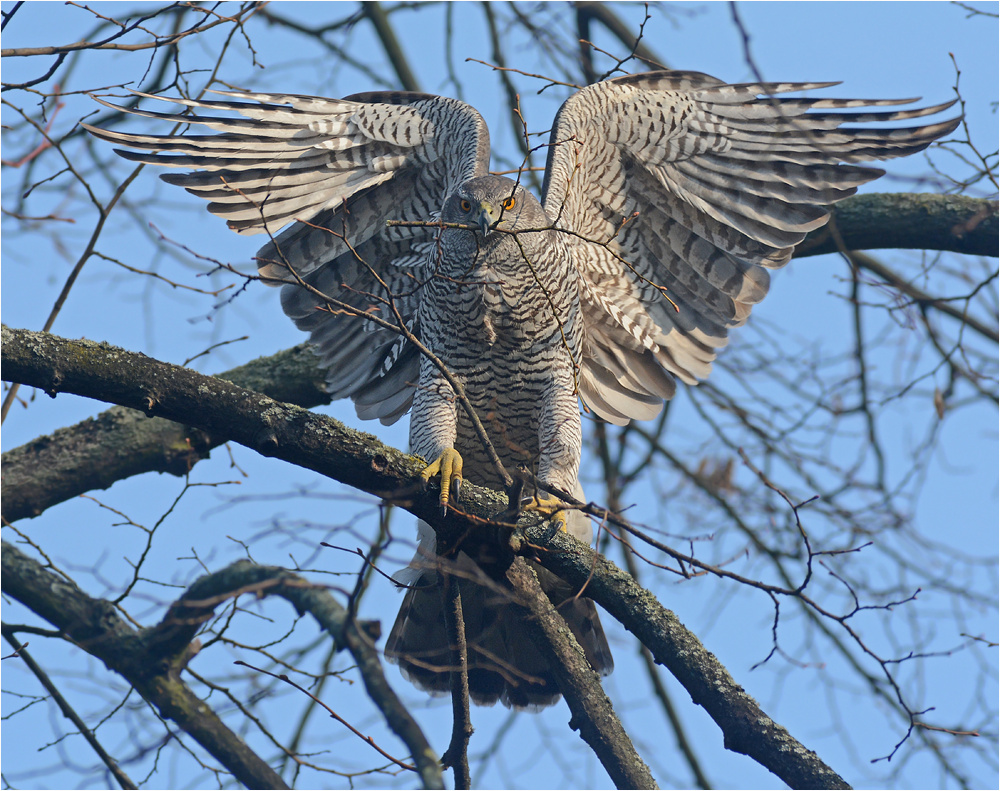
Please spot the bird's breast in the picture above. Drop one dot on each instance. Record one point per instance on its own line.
(492, 309)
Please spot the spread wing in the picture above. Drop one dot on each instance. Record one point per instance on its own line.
(337, 169)
(680, 193)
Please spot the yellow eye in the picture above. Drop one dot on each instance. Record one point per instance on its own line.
(508, 204)
(465, 206)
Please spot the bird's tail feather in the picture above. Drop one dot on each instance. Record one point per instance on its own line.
(504, 663)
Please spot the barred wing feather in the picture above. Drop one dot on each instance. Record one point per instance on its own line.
(339, 169)
(679, 193)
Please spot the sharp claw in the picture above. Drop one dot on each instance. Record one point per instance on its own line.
(449, 466)
(548, 506)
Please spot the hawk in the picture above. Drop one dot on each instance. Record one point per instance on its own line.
(668, 197)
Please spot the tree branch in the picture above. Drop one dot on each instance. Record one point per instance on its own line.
(186, 615)
(95, 626)
(921, 297)
(122, 442)
(593, 715)
(232, 413)
(745, 726)
(457, 754)
(360, 460)
(908, 221)
(68, 712)
(600, 12)
(393, 50)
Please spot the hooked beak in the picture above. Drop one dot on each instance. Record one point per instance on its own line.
(487, 218)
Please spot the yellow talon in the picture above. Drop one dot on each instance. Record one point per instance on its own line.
(548, 505)
(449, 466)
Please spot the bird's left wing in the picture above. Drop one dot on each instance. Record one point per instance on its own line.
(678, 193)
(338, 169)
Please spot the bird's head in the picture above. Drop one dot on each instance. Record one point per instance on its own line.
(494, 203)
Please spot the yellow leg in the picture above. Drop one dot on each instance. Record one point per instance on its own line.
(449, 466)
(550, 506)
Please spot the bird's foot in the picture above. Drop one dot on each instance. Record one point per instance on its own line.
(449, 466)
(548, 505)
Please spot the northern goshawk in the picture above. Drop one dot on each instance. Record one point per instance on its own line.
(668, 197)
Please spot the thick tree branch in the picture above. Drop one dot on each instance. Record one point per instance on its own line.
(122, 442)
(273, 429)
(593, 715)
(187, 614)
(360, 460)
(232, 413)
(96, 627)
(908, 221)
(745, 726)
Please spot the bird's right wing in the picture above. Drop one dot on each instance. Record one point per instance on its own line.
(338, 169)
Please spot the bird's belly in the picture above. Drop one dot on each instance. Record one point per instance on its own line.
(509, 409)
(499, 355)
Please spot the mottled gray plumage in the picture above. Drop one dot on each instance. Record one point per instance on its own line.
(503, 313)
(668, 197)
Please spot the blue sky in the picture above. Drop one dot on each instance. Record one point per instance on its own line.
(883, 50)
